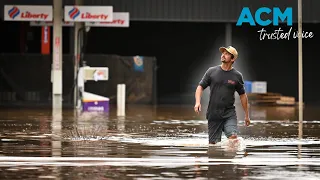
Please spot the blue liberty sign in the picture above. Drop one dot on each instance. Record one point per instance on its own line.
(246, 16)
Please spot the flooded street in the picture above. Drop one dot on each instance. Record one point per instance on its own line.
(156, 143)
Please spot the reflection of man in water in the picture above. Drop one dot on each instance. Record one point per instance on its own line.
(216, 152)
(223, 80)
(226, 169)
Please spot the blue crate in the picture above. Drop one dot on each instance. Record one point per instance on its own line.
(248, 86)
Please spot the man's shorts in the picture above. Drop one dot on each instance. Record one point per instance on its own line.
(217, 125)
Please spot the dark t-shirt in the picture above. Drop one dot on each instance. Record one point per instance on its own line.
(223, 85)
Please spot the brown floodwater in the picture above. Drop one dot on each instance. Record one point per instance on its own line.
(164, 142)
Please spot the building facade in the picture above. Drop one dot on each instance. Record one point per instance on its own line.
(188, 10)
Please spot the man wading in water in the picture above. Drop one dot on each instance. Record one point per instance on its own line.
(223, 80)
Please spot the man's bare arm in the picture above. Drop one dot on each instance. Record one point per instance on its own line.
(198, 94)
(244, 102)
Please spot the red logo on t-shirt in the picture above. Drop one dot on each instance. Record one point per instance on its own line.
(231, 82)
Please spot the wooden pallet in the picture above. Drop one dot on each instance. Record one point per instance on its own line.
(271, 99)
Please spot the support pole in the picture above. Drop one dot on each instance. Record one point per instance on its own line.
(228, 37)
(300, 68)
(77, 27)
(121, 100)
(57, 55)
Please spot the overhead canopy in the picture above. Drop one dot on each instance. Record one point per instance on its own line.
(188, 11)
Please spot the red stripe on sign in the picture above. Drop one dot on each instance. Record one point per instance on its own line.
(45, 40)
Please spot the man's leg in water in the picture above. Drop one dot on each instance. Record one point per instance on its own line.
(231, 128)
(215, 127)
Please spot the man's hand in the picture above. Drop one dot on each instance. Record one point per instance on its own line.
(197, 108)
(244, 102)
(198, 94)
(247, 121)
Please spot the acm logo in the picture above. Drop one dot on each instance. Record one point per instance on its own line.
(247, 17)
